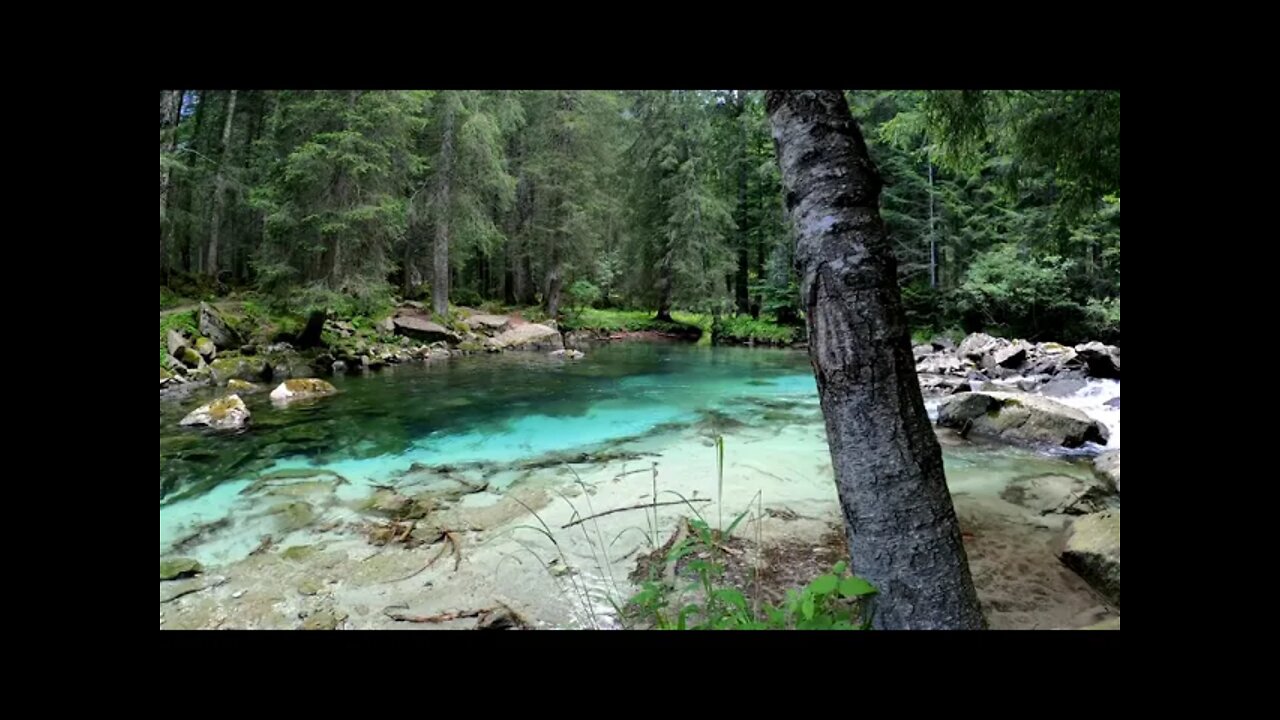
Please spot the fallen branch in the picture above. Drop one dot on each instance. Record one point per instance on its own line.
(619, 476)
(441, 618)
(645, 506)
(188, 591)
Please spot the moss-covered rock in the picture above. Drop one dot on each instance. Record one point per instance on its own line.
(238, 385)
(1092, 549)
(174, 568)
(302, 388)
(293, 515)
(206, 348)
(324, 620)
(248, 369)
(309, 587)
(1019, 418)
(298, 553)
(188, 357)
(214, 327)
(225, 413)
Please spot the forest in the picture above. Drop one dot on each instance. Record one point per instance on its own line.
(1003, 207)
(640, 359)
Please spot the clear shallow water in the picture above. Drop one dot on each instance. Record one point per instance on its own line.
(502, 409)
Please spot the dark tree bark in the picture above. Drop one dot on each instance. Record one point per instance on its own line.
(902, 529)
(170, 104)
(440, 255)
(219, 190)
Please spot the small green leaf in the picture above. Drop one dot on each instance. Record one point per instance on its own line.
(806, 607)
(839, 568)
(856, 587)
(729, 596)
(824, 585)
(735, 522)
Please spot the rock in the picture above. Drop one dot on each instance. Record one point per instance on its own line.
(309, 587)
(237, 594)
(213, 326)
(324, 620)
(174, 568)
(165, 375)
(387, 326)
(1108, 466)
(1020, 418)
(276, 348)
(207, 349)
(339, 367)
(502, 618)
(569, 354)
(975, 346)
(420, 328)
(1062, 387)
(189, 357)
(940, 364)
(1113, 403)
(531, 336)
(301, 389)
(238, 385)
(920, 352)
(941, 342)
(1108, 624)
(227, 413)
(487, 324)
(1060, 494)
(1092, 549)
(175, 342)
(248, 349)
(1010, 357)
(248, 369)
(1102, 361)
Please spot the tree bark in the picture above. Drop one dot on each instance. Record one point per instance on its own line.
(219, 189)
(440, 255)
(902, 529)
(170, 104)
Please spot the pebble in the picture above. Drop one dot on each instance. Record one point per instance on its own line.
(238, 594)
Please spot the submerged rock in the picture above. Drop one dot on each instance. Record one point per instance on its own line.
(238, 385)
(1092, 549)
(324, 620)
(1020, 418)
(174, 568)
(226, 413)
(568, 354)
(301, 389)
(1058, 494)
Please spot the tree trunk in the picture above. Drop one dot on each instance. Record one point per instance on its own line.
(901, 525)
(933, 236)
(170, 104)
(553, 290)
(440, 256)
(219, 190)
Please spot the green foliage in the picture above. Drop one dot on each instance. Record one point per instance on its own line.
(627, 321)
(182, 322)
(740, 329)
(834, 601)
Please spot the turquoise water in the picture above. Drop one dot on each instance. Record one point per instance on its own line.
(486, 409)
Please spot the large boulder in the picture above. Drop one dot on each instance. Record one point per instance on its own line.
(1011, 356)
(530, 336)
(1063, 386)
(176, 342)
(225, 413)
(1102, 361)
(487, 324)
(422, 329)
(977, 345)
(1108, 466)
(249, 369)
(207, 349)
(1020, 418)
(302, 389)
(1092, 549)
(214, 326)
(189, 357)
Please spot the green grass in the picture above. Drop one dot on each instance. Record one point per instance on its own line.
(629, 321)
(177, 321)
(743, 328)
